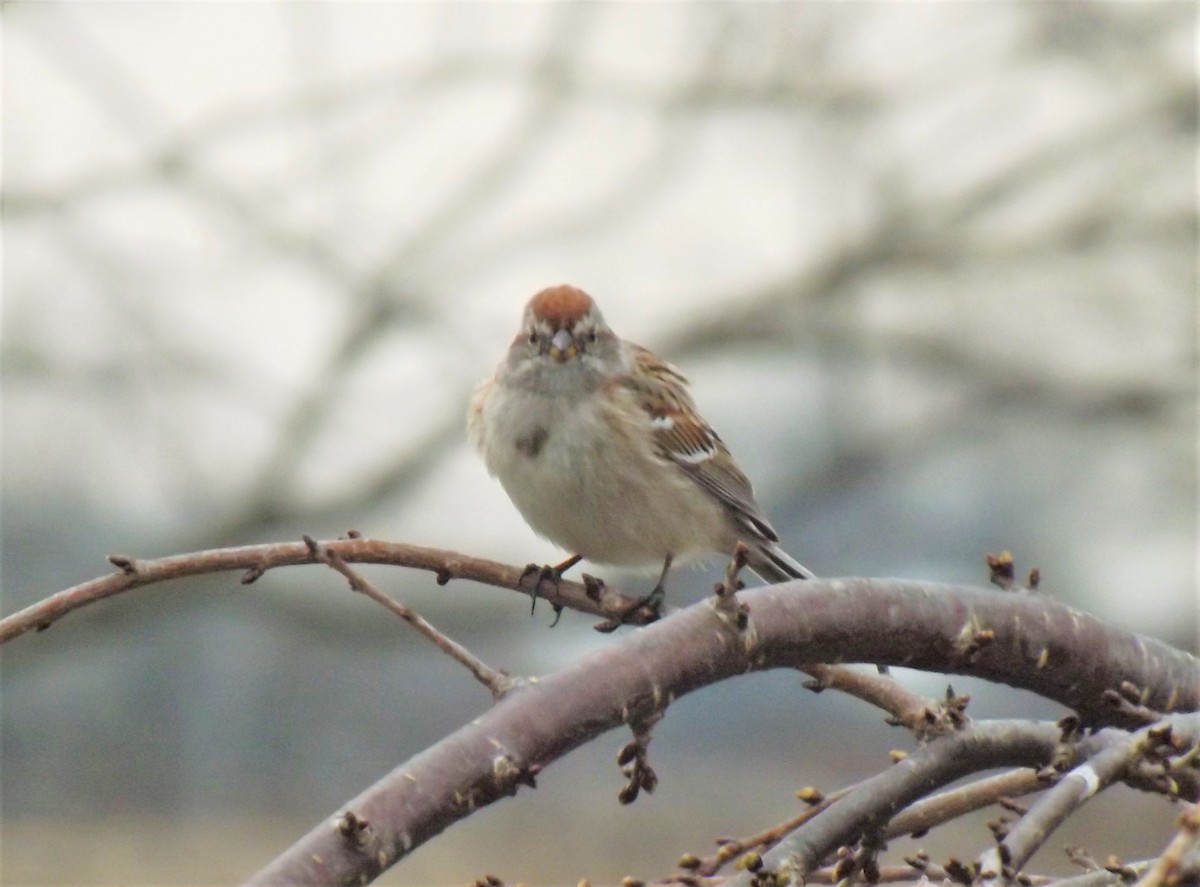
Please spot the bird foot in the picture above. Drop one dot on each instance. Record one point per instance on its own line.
(653, 602)
(546, 573)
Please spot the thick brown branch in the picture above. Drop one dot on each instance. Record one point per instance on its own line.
(790, 624)
(1025, 641)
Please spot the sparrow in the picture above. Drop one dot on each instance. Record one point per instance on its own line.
(600, 447)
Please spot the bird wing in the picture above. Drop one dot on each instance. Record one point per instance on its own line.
(682, 437)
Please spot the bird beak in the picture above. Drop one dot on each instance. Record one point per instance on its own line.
(562, 346)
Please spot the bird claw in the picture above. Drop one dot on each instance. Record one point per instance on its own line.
(652, 602)
(540, 573)
(546, 573)
(543, 571)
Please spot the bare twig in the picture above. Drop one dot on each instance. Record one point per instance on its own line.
(937, 809)
(497, 682)
(725, 600)
(874, 801)
(1130, 701)
(1001, 863)
(255, 560)
(905, 708)
(1165, 869)
(1112, 876)
(915, 820)
(920, 864)
(1117, 755)
(731, 848)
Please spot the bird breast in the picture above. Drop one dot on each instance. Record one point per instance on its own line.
(583, 474)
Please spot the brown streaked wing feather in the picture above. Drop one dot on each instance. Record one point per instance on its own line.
(684, 438)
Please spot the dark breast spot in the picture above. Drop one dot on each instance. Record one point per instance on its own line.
(531, 444)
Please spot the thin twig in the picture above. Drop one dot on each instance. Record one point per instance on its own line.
(1167, 866)
(764, 840)
(255, 560)
(980, 746)
(923, 716)
(497, 682)
(888, 874)
(915, 820)
(1115, 877)
(725, 600)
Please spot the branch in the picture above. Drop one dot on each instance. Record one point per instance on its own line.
(1117, 756)
(905, 708)
(1001, 863)
(1117, 876)
(915, 820)
(867, 809)
(1025, 641)
(920, 817)
(1167, 869)
(791, 624)
(497, 682)
(257, 559)
(1021, 640)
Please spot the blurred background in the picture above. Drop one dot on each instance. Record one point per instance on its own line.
(930, 267)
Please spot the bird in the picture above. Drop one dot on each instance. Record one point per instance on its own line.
(600, 446)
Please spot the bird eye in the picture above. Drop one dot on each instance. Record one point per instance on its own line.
(591, 336)
(533, 338)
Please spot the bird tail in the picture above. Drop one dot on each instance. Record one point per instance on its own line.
(773, 564)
